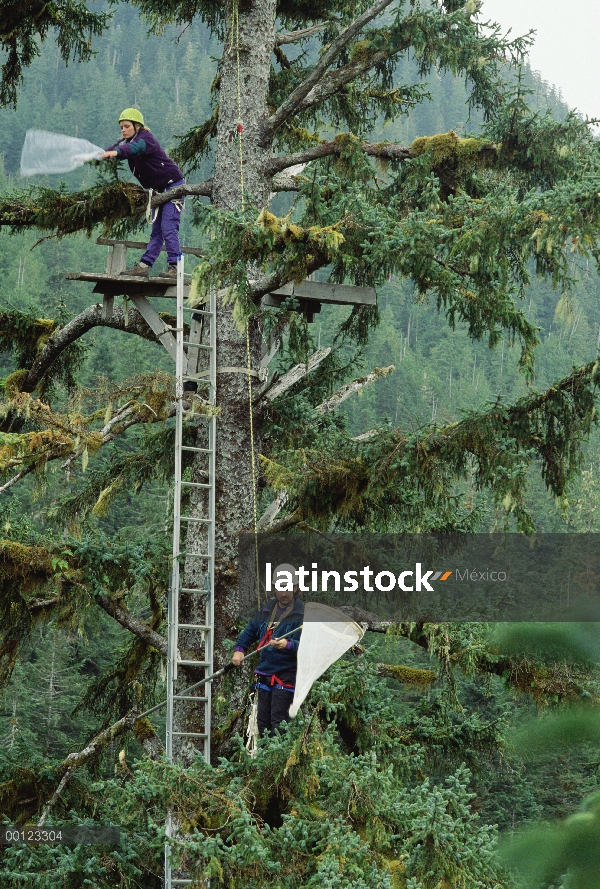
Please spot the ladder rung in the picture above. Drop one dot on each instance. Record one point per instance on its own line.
(181, 881)
(185, 589)
(196, 311)
(187, 518)
(190, 698)
(193, 663)
(201, 627)
(197, 345)
(196, 450)
(196, 484)
(193, 556)
(190, 734)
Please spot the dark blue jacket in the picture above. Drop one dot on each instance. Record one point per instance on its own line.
(148, 162)
(272, 660)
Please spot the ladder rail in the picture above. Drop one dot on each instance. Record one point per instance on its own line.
(205, 551)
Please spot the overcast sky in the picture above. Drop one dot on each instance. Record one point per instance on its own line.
(567, 44)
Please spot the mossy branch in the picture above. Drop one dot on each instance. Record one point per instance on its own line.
(376, 479)
(64, 213)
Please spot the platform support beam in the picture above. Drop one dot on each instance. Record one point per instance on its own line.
(157, 325)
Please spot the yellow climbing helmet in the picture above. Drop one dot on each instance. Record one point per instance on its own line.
(133, 115)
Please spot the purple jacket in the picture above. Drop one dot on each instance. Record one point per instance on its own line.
(148, 162)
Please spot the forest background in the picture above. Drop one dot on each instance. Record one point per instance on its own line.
(439, 374)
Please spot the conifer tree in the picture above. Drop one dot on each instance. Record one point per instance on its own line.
(467, 219)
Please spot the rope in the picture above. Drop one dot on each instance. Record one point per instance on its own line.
(149, 219)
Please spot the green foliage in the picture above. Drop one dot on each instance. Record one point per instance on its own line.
(64, 212)
(404, 480)
(544, 854)
(22, 26)
(367, 819)
(368, 789)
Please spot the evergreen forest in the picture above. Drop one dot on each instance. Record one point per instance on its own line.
(433, 755)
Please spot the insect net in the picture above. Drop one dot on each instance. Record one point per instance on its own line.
(326, 635)
(45, 153)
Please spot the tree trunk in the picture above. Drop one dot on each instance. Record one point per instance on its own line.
(244, 72)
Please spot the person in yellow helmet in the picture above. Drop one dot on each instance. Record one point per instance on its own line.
(154, 169)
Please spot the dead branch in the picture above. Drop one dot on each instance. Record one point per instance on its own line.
(277, 388)
(289, 180)
(366, 436)
(16, 478)
(295, 36)
(272, 511)
(53, 799)
(384, 150)
(76, 760)
(349, 389)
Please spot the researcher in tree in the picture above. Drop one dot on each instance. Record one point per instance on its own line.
(155, 170)
(275, 673)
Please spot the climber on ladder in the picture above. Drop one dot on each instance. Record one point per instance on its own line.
(155, 171)
(275, 673)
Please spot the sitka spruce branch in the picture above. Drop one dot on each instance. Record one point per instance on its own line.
(23, 25)
(395, 480)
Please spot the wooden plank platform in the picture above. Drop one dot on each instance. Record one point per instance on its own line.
(129, 285)
(310, 294)
(317, 292)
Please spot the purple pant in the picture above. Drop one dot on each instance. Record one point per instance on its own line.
(165, 229)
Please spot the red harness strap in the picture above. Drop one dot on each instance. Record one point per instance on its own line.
(273, 624)
(275, 680)
(265, 639)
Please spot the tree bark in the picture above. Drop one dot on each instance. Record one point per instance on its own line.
(241, 177)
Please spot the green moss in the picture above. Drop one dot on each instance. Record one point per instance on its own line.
(143, 730)
(44, 327)
(409, 675)
(13, 384)
(448, 147)
(361, 50)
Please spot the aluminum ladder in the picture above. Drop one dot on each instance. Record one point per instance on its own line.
(196, 360)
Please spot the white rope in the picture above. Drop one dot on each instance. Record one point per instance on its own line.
(149, 218)
(252, 729)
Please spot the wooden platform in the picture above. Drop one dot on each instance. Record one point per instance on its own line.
(315, 291)
(129, 285)
(112, 282)
(312, 294)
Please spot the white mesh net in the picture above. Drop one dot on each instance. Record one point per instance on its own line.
(326, 635)
(45, 153)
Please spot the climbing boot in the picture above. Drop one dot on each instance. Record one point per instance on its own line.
(170, 273)
(139, 270)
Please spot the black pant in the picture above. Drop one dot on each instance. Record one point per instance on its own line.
(273, 709)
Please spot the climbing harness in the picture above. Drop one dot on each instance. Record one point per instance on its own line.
(273, 624)
(150, 216)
